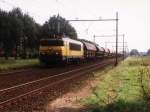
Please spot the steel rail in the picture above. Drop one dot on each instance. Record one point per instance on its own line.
(45, 78)
(54, 83)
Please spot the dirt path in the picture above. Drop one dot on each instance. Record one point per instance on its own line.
(70, 102)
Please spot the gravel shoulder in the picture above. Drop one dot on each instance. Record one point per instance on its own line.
(70, 102)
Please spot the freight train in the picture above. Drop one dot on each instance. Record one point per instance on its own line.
(67, 50)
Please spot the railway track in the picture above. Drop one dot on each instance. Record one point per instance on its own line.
(18, 77)
(15, 94)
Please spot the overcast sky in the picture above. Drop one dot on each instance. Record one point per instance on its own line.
(134, 18)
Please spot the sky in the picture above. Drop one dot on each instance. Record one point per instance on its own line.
(134, 18)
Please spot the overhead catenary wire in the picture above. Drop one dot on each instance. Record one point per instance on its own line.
(95, 20)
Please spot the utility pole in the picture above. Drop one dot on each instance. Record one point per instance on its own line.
(116, 61)
(123, 48)
(94, 38)
(123, 35)
(58, 25)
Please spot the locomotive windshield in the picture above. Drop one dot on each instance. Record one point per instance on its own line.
(51, 42)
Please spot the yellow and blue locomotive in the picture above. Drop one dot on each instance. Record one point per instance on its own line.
(58, 50)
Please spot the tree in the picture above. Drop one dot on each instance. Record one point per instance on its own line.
(148, 52)
(58, 26)
(25, 32)
(2, 13)
(5, 33)
(17, 26)
(18, 32)
(134, 52)
(29, 34)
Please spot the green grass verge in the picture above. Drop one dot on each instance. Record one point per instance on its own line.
(17, 64)
(121, 91)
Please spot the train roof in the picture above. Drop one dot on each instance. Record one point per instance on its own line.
(64, 39)
(72, 40)
(101, 49)
(89, 46)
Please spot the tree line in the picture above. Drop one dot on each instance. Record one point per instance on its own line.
(20, 34)
(135, 52)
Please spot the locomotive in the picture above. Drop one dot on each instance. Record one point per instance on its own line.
(58, 50)
(66, 50)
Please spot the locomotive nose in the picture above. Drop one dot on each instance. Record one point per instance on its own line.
(50, 51)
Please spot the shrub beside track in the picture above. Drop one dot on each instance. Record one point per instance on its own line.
(124, 88)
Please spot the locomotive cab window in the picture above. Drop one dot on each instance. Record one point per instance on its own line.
(51, 43)
(75, 47)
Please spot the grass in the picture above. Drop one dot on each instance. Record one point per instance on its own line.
(17, 64)
(122, 90)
